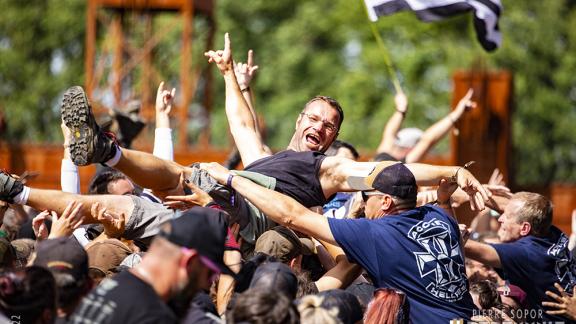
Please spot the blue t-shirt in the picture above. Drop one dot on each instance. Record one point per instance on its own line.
(535, 264)
(338, 201)
(417, 252)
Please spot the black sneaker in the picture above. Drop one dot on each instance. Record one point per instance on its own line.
(10, 187)
(88, 144)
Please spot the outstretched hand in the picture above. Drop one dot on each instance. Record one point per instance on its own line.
(222, 58)
(564, 305)
(477, 193)
(164, 99)
(445, 190)
(70, 220)
(401, 102)
(39, 225)
(245, 71)
(217, 171)
(114, 223)
(466, 103)
(198, 198)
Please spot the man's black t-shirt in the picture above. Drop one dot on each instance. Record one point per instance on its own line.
(123, 299)
(296, 174)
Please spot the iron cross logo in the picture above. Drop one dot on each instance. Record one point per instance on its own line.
(565, 267)
(442, 264)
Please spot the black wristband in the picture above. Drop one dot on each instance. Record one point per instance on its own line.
(245, 89)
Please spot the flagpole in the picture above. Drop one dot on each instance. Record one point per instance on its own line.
(389, 66)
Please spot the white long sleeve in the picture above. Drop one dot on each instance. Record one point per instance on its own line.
(163, 145)
(70, 182)
(69, 179)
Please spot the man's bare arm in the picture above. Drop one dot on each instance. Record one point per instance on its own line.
(435, 132)
(335, 171)
(393, 124)
(242, 127)
(280, 208)
(483, 253)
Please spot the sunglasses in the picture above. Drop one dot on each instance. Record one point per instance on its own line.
(367, 194)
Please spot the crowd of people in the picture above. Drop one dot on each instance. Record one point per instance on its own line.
(304, 235)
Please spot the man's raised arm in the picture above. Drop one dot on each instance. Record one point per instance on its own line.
(278, 207)
(435, 132)
(394, 123)
(242, 127)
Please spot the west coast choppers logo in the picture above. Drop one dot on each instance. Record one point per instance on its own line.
(442, 263)
(565, 267)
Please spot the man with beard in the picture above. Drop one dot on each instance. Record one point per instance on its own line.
(183, 258)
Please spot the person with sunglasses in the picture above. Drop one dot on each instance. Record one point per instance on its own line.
(416, 250)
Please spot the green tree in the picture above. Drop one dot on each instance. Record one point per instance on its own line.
(307, 48)
(41, 54)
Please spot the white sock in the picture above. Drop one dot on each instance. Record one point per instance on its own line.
(22, 197)
(113, 161)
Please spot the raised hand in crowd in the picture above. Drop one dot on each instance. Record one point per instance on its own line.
(245, 71)
(394, 123)
(39, 225)
(222, 58)
(444, 192)
(563, 304)
(197, 197)
(478, 195)
(62, 226)
(465, 104)
(497, 178)
(70, 220)
(114, 223)
(164, 102)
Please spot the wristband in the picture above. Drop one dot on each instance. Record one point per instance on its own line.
(245, 89)
(229, 180)
(454, 178)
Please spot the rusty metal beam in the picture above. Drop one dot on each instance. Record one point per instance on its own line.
(91, 11)
(186, 96)
(204, 6)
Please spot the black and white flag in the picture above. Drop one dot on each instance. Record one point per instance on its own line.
(486, 14)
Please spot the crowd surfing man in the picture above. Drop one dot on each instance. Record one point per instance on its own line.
(424, 242)
(302, 171)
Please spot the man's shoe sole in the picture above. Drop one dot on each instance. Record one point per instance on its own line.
(77, 116)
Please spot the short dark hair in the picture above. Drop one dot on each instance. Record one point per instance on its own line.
(27, 293)
(333, 103)
(99, 184)
(488, 296)
(348, 305)
(263, 306)
(338, 144)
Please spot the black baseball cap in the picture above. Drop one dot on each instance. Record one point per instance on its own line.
(276, 276)
(63, 255)
(396, 180)
(204, 230)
